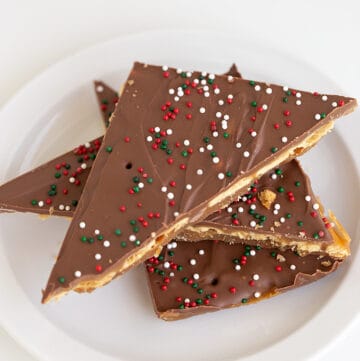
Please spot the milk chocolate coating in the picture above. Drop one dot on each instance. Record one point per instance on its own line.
(194, 278)
(136, 196)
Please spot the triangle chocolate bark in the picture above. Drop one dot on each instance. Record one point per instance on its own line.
(180, 145)
(54, 188)
(279, 209)
(188, 279)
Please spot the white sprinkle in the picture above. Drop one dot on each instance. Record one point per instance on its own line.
(97, 232)
(206, 88)
(253, 206)
(141, 185)
(166, 264)
(226, 117)
(199, 172)
(176, 99)
(284, 139)
(221, 176)
(217, 91)
(274, 176)
(82, 225)
(276, 212)
(169, 131)
(215, 134)
(98, 256)
(252, 224)
(193, 261)
(211, 76)
(187, 300)
(132, 238)
(277, 206)
(240, 209)
(196, 276)
(293, 267)
(202, 110)
(163, 189)
(268, 91)
(157, 129)
(41, 204)
(171, 91)
(201, 149)
(298, 102)
(203, 82)
(99, 88)
(230, 96)
(149, 138)
(87, 145)
(282, 220)
(257, 88)
(209, 147)
(237, 267)
(196, 81)
(265, 107)
(253, 134)
(324, 98)
(77, 274)
(176, 214)
(285, 88)
(170, 195)
(67, 208)
(229, 209)
(230, 78)
(334, 104)
(206, 94)
(72, 180)
(221, 102)
(165, 68)
(224, 124)
(188, 74)
(252, 252)
(317, 116)
(61, 207)
(106, 244)
(256, 277)
(216, 160)
(246, 154)
(83, 166)
(171, 274)
(203, 73)
(307, 198)
(238, 145)
(257, 294)
(218, 114)
(186, 142)
(316, 206)
(178, 71)
(201, 252)
(174, 244)
(188, 187)
(244, 199)
(169, 246)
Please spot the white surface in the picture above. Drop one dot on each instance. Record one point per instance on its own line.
(34, 36)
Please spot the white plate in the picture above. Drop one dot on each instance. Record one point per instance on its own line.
(58, 110)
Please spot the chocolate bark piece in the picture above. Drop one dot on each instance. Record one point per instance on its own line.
(188, 279)
(54, 188)
(107, 98)
(178, 148)
(280, 209)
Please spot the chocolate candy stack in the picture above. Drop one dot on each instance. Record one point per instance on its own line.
(195, 178)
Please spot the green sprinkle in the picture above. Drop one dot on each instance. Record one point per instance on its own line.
(180, 268)
(247, 248)
(105, 101)
(132, 222)
(92, 156)
(118, 231)
(228, 174)
(274, 149)
(109, 149)
(262, 218)
(136, 179)
(244, 300)
(136, 189)
(278, 171)
(123, 244)
(200, 291)
(213, 154)
(226, 135)
(258, 248)
(184, 86)
(61, 280)
(185, 279)
(285, 99)
(273, 254)
(168, 151)
(281, 190)
(149, 180)
(80, 160)
(182, 306)
(288, 215)
(53, 187)
(137, 243)
(74, 202)
(52, 193)
(183, 74)
(100, 237)
(199, 301)
(253, 104)
(171, 253)
(252, 211)
(34, 202)
(210, 81)
(297, 184)
(234, 216)
(184, 153)
(236, 261)
(195, 285)
(161, 258)
(67, 166)
(288, 92)
(161, 273)
(323, 115)
(91, 240)
(316, 235)
(247, 253)
(57, 175)
(206, 140)
(300, 223)
(251, 82)
(136, 229)
(83, 239)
